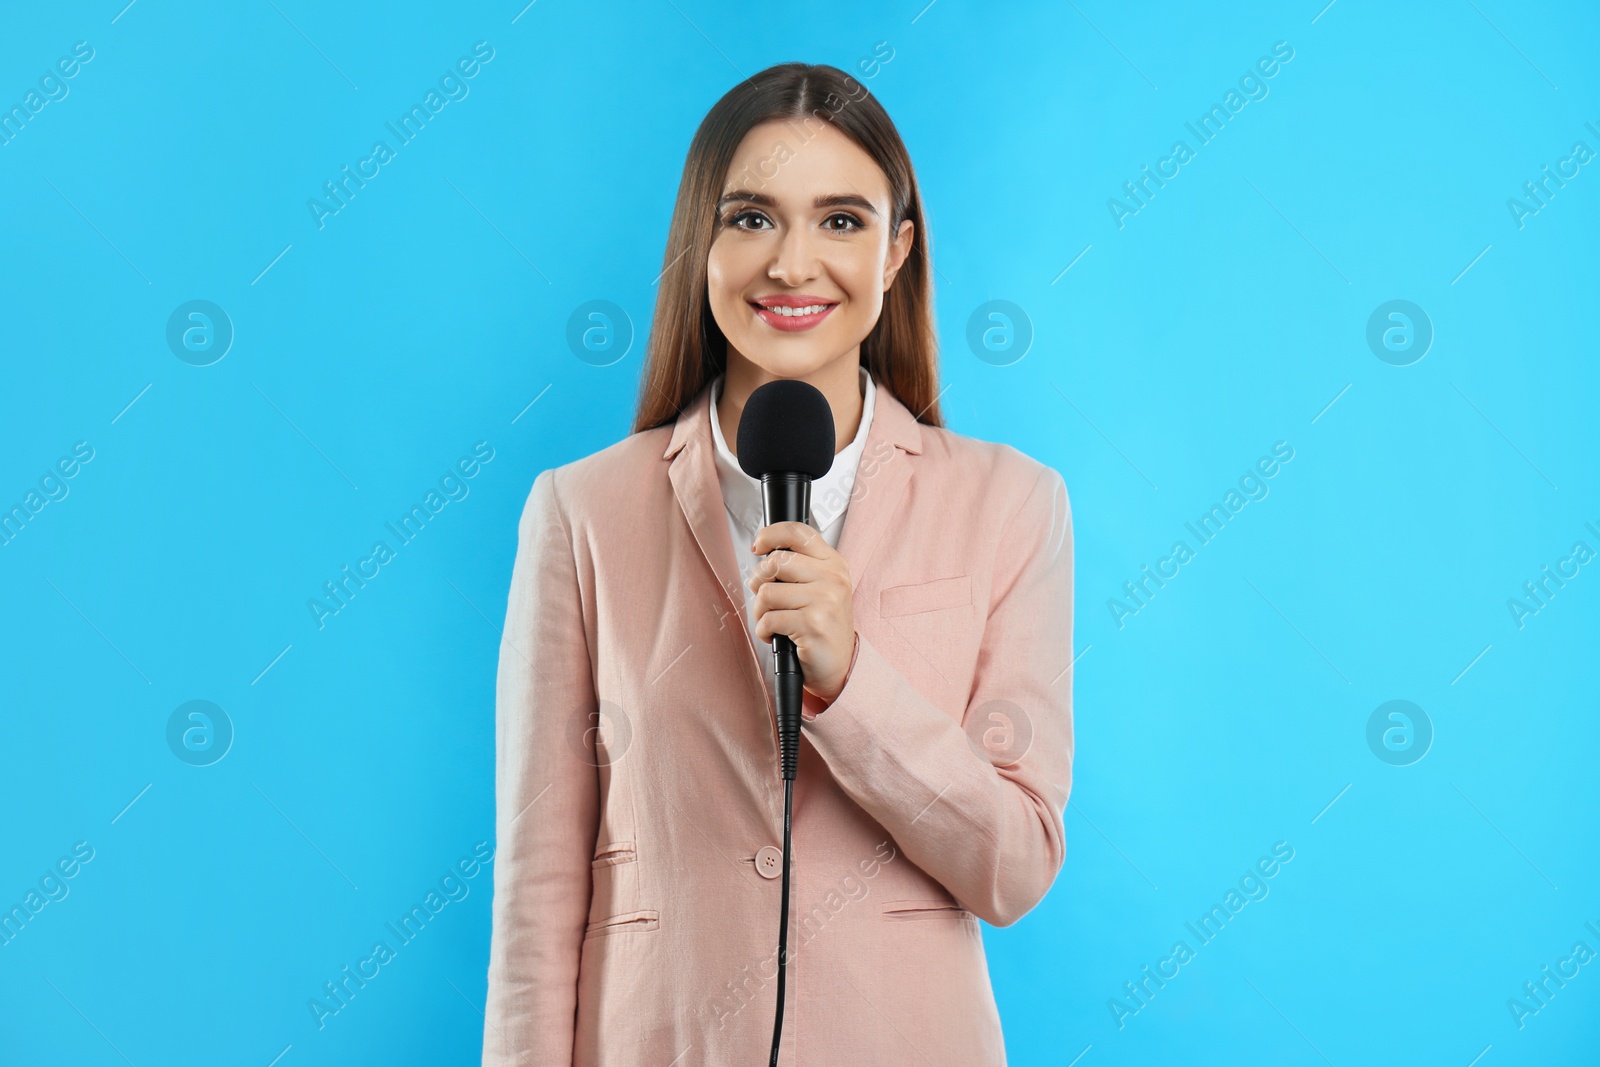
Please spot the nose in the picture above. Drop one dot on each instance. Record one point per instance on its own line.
(796, 261)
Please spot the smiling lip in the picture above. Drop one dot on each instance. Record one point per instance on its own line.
(792, 323)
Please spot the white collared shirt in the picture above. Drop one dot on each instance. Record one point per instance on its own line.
(741, 497)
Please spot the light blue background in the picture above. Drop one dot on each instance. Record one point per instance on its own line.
(1228, 314)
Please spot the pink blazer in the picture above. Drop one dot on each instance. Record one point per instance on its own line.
(639, 803)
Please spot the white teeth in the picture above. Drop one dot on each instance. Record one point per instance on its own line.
(789, 312)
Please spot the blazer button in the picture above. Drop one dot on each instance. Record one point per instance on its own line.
(769, 861)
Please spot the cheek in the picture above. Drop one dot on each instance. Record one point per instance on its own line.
(866, 300)
(860, 275)
(718, 272)
(729, 260)
(724, 284)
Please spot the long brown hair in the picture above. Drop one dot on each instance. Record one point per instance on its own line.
(686, 348)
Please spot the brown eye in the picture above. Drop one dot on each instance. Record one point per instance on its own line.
(734, 220)
(856, 224)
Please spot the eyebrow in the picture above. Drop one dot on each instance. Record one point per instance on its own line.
(830, 200)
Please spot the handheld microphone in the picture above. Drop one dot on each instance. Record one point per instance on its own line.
(786, 439)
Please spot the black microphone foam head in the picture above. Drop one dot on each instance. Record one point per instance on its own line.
(787, 425)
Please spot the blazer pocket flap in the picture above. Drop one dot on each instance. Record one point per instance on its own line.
(616, 852)
(926, 596)
(633, 920)
(902, 910)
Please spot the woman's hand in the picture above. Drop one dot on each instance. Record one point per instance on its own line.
(802, 589)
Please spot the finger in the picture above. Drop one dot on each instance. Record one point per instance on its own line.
(783, 596)
(796, 536)
(784, 565)
(787, 622)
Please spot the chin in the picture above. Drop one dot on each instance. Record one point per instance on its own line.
(790, 364)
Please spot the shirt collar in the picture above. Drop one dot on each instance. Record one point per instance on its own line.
(830, 494)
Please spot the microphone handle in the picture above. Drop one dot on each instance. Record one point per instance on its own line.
(786, 497)
(790, 681)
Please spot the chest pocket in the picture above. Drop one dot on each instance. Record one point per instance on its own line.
(922, 597)
(930, 633)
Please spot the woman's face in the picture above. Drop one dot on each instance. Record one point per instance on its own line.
(802, 227)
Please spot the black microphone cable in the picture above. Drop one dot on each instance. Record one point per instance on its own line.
(789, 681)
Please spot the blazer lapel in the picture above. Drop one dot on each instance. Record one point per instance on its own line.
(693, 472)
(881, 482)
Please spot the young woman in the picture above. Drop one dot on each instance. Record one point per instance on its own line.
(638, 788)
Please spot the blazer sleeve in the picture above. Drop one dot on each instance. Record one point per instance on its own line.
(991, 834)
(546, 798)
